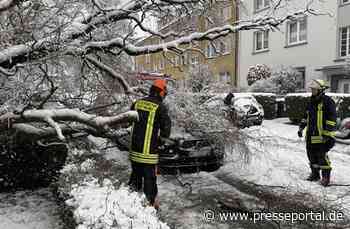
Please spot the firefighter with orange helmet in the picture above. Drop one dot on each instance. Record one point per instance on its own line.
(154, 122)
(320, 123)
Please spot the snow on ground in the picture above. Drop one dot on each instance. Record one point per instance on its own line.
(103, 206)
(29, 210)
(278, 159)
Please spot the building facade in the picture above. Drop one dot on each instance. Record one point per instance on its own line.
(315, 46)
(338, 73)
(218, 56)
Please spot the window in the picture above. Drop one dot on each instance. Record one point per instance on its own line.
(148, 58)
(296, 31)
(300, 77)
(161, 63)
(184, 59)
(211, 50)
(345, 41)
(261, 41)
(194, 59)
(224, 77)
(261, 4)
(177, 60)
(346, 88)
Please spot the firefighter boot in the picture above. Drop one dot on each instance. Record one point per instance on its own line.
(315, 174)
(326, 175)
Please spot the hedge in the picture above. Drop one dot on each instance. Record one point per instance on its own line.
(268, 101)
(296, 105)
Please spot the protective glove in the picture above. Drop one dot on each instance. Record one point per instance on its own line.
(300, 133)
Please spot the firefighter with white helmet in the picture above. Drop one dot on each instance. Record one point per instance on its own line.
(320, 122)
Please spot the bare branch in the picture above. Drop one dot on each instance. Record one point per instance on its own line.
(113, 73)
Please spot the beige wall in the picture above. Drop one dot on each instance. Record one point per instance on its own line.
(219, 64)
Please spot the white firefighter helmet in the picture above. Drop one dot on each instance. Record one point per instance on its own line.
(318, 84)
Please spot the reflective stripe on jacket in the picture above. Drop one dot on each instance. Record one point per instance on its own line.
(153, 120)
(321, 120)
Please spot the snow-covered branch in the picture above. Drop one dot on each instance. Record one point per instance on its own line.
(24, 49)
(52, 117)
(6, 4)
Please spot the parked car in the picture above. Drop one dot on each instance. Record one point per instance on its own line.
(342, 135)
(185, 155)
(244, 110)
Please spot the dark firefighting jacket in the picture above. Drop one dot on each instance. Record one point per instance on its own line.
(154, 121)
(319, 119)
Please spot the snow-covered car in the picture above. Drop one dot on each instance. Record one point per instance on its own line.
(185, 155)
(342, 135)
(244, 110)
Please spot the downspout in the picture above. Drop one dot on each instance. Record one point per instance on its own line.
(236, 47)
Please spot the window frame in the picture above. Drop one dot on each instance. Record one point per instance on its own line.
(226, 75)
(148, 58)
(210, 49)
(264, 34)
(194, 59)
(302, 71)
(347, 40)
(264, 6)
(298, 32)
(161, 65)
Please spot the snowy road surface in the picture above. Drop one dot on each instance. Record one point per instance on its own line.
(277, 159)
(28, 210)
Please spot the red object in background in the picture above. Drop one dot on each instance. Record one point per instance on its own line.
(152, 76)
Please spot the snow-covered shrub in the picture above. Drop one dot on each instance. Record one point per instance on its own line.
(258, 72)
(282, 81)
(199, 78)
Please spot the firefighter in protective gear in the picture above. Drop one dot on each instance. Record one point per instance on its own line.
(154, 122)
(320, 122)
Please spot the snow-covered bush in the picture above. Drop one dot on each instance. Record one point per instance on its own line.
(258, 72)
(199, 77)
(282, 81)
(104, 206)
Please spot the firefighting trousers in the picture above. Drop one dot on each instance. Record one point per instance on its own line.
(317, 155)
(144, 176)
